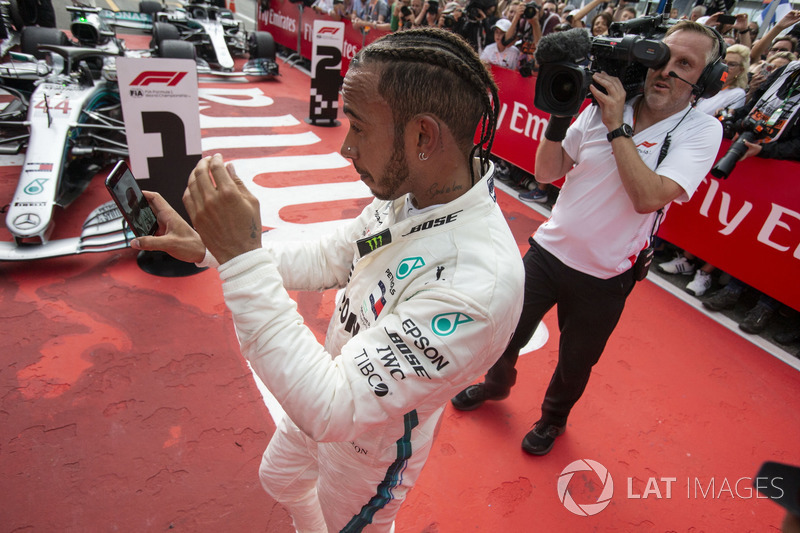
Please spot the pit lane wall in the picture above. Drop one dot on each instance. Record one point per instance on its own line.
(747, 225)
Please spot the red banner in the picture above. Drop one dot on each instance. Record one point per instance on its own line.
(283, 21)
(747, 225)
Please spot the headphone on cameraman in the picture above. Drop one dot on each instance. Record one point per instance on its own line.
(715, 74)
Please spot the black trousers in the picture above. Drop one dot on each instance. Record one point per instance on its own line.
(588, 311)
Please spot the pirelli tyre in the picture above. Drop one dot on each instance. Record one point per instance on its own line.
(163, 31)
(33, 36)
(149, 7)
(176, 49)
(261, 45)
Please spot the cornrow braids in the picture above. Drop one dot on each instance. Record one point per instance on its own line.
(434, 71)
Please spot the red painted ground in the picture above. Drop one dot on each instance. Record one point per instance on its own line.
(125, 406)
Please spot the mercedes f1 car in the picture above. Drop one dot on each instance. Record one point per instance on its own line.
(64, 111)
(215, 35)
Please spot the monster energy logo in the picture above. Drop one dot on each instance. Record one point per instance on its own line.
(373, 242)
(445, 324)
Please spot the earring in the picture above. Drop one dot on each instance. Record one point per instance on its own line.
(349, 149)
(422, 156)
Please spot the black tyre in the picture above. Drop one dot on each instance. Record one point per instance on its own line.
(161, 32)
(33, 36)
(176, 49)
(149, 7)
(262, 45)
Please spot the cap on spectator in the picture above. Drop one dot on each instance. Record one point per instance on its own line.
(502, 24)
(571, 14)
(569, 8)
(450, 7)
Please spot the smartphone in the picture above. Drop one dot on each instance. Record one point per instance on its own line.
(780, 483)
(131, 202)
(726, 19)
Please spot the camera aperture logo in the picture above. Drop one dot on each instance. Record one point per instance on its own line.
(586, 509)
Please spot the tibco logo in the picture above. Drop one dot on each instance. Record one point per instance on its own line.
(588, 509)
(148, 77)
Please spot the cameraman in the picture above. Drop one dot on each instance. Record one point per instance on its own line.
(584, 257)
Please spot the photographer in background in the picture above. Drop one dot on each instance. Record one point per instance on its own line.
(476, 22)
(452, 18)
(526, 27)
(625, 161)
(774, 110)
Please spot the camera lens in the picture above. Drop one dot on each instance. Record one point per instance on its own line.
(563, 87)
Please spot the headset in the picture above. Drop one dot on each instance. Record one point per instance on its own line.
(715, 74)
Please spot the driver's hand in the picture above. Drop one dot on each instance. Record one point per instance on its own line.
(175, 236)
(225, 214)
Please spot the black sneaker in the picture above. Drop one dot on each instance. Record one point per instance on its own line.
(790, 336)
(541, 438)
(473, 397)
(722, 299)
(756, 319)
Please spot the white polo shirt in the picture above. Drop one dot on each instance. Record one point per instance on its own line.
(593, 227)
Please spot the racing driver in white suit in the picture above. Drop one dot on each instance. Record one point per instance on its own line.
(432, 281)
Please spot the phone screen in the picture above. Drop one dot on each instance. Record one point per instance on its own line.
(726, 19)
(130, 200)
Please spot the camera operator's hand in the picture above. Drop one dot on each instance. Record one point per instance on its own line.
(225, 214)
(611, 104)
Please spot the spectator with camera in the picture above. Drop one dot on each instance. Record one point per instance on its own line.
(526, 28)
(769, 128)
(625, 160)
(776, 61)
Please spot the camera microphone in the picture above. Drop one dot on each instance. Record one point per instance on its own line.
(695, 88)
(571, 45)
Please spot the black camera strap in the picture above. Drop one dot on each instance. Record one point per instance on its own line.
(645, 257)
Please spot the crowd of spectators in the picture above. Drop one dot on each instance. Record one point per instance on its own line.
(506, 32)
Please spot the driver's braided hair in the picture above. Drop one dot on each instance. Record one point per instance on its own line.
(434, 71)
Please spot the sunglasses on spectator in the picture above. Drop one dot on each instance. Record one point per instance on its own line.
(733, 64)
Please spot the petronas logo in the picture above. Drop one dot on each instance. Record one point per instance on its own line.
(409, 265)
(446, 323)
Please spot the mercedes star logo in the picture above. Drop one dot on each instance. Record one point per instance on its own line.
(27, 221)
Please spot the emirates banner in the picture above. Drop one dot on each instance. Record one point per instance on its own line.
(747, 225)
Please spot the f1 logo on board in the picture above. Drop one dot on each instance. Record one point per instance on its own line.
(328, 29)
(170, 79)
